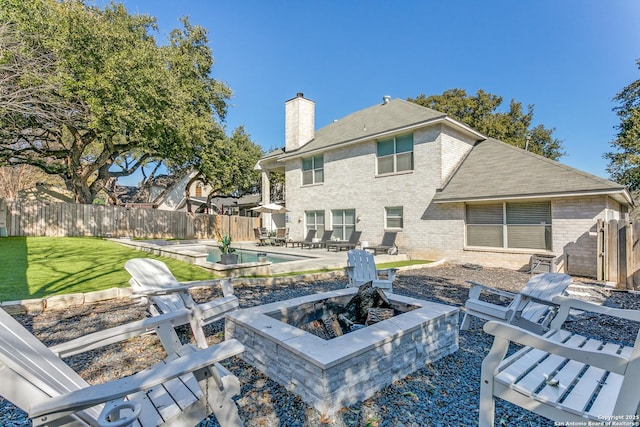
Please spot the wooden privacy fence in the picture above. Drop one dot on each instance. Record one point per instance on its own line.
(37, 218)
(619, 253)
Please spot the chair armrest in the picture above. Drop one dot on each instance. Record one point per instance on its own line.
(94, 395)
(225, 284)
(119, 333)
(567, 303)
(478, 287)
(607, 361)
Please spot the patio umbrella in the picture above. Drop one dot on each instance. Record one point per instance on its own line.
(270, 208)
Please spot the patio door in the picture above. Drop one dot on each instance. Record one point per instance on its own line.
(343, 222)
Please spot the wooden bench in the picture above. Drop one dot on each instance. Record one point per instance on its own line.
(560, 375)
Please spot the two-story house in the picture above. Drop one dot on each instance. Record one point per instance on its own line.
(448, 190)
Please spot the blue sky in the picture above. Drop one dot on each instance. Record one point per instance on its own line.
(568, 58)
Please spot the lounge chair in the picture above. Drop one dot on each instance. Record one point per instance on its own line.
(530, 309)
(361, 268)
(282, 234)
(308, 239)
(153, 280)
(568, 378)
(263, 239)
(326, 237)
(182, 391)
(388, 241)
(345, 244)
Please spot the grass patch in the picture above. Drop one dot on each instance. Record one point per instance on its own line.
(37, 267)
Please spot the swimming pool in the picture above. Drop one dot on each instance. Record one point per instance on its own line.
(246, 256)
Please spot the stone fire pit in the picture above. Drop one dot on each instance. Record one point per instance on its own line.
(331, 374)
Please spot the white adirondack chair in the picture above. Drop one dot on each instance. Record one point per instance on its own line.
(182, 391)
(152, 278)
(361, 268)
(531, 309)
(560, 375)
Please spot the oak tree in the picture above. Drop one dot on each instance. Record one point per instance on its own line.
(483, 113)
(624, 161)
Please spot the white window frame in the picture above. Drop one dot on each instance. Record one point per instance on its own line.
(507, 224)
(315, 225)
(393, 216)
(315, 172)
(395, 155)
(340, 228)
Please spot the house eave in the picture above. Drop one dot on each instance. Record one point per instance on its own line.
(445, 119)
(622, 196)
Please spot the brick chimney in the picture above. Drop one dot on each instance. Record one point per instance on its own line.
(299, 122)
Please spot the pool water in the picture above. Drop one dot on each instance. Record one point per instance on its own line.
(245, 256)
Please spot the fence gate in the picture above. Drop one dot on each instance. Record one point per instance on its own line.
(618, 253)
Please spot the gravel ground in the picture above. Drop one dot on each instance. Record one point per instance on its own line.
(445, 393)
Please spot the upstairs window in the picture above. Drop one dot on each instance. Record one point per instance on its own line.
(395, 154)
(521, 225)
(312, 170)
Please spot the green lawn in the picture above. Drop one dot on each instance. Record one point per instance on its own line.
(37, 267)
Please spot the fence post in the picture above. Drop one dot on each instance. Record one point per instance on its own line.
(3, 218)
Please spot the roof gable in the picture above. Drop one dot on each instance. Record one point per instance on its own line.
(496, 170)
(376, 121)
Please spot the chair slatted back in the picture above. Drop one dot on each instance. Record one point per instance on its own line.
(542, 286)
(149, 274)
(30, 372)
(364, 266)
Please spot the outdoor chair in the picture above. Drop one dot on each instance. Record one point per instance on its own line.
(308, 239)
(568, 378)
(282, 234)
(326, 237)
(181, 391)
(153, 280)
(361, 268)
(262, 238)
(530, 309)
(388, 242)
(345, 244)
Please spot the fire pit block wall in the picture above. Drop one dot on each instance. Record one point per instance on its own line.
(331, 374)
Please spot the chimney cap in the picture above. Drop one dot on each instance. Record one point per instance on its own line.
(299, 95)
(386, 99)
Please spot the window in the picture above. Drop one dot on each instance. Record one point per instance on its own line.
(312, 170)
(344, 223)
(315, 221)
(395, 154)
(393, 217)
(520, 225)
(198, 190)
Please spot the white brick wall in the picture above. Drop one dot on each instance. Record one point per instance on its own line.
(432, 231)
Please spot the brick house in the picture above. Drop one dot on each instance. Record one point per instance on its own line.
(448, 190)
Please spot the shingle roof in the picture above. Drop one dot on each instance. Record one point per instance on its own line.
(371, 122)
(495, 170)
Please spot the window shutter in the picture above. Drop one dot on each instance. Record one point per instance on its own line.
(484, 214)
